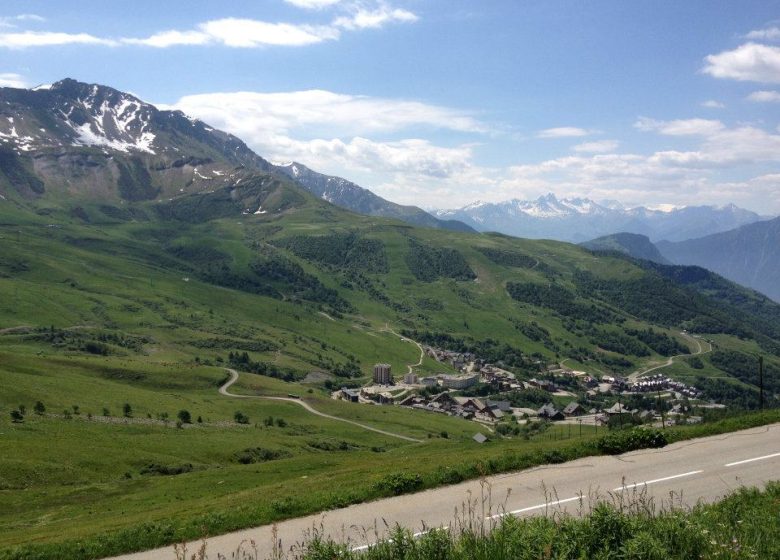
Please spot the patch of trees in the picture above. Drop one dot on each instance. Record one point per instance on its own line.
(199, 255)
(429, 263)
(660, 342)
(745, 368)
(658, 299)
(560, 300)
(340, 250)
(535, 332)
(617, 342)
(505, 257)
(277, 277)
(243, 362)
(232, 343)
(729, 393)
(290, 277)
(751, 308)
(356, 279)
(90, 342)
(527, 398)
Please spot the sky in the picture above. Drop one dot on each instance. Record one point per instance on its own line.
(440, 103)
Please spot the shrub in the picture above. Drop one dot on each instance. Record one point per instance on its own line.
(127, 410)
(399, 483)
(156, 469)
(629, 440)
(240, 417)
(17, 417)
(39, 408)
(184, 416)
(260, 455)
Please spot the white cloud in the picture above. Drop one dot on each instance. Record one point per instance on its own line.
(680, 127)
(598, 147)
(11, 21)
(171, 38)
(712, 104)
(766, 34)
(764, 96)
(241, 33)
(9, 79)
(26, 39)
(749, 62)
(230, 32)
(563, 132)
(319, 112)
(409, 158)
(364, 19)
(312, 4)
(234, 32)
(330, 131)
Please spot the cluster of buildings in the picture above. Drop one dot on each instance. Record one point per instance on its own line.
(469, 408)
(473, 371)
(457, 382)
(660, 382)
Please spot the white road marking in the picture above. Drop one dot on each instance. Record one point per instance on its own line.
(753, 459)
(648, 482)
(540, 506)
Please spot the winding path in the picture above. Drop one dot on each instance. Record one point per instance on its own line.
(637, 374)
(223, 390)
(422, 351)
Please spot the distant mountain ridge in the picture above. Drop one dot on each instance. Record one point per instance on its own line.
(631, 244)
(351, 196)
(581, 219)
(748, 255)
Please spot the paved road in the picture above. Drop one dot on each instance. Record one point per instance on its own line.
(702, 469)
(234, 377)
(637, 374)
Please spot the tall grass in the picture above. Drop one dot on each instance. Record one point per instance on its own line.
(623, 526)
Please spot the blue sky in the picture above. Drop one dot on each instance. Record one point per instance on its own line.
(443, 102)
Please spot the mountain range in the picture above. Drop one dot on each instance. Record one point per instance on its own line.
(580, 219)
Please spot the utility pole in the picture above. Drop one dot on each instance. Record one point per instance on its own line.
(761, 382)
(661, 408)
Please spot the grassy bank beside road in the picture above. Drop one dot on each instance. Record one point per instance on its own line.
(145, 511)
(745, 525)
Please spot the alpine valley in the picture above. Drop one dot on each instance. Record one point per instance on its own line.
(146, 254)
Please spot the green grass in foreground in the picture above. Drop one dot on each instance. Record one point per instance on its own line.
(745, 525)
(307, 486)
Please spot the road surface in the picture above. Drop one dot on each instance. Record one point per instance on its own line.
(702, 469)
(234, 377)
(637, 374)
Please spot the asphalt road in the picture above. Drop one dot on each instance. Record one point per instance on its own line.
(703, 469)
